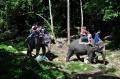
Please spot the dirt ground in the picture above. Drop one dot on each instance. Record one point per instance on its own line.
(112, 57)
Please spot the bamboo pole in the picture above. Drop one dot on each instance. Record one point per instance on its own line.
(81, 13)
(68, 21)
(51, 19)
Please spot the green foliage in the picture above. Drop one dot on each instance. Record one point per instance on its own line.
(104, 8)
(20, 46)
(8, 48)
(2, 23)
(110, 14)
(18, 12)
(111, 45)
(21, 14)
(18, 43)
(19, 66)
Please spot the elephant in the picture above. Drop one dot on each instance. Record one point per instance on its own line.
(101, 49)
(84, 49)
(35, 42)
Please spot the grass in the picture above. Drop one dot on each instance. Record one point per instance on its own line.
(108, 53)
(8, 48)
(13, 47)
(107, 70)
(58, 63)
(20, 46)
(79, 67)
(20, 66)
(18, 43)
(102, 67)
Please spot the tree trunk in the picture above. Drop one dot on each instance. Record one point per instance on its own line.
(81, 13)
(51, 19)
(68, 21)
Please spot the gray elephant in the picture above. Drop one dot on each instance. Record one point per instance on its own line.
(100, 48)
(84, 49)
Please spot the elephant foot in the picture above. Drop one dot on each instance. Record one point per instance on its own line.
(86, 61)
(90, 61)
(95, 60)
(28, 54)
(48, 51)
(35, 56)
(67, 60)
(105, 62)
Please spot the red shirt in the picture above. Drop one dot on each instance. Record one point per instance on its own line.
(83, 32)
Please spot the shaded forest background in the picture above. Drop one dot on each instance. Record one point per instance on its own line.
(17, 17)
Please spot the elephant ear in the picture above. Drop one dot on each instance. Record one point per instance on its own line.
(101, 46)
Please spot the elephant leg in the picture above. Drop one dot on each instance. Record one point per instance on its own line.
(103, 56)
(37, 51)
(43, 50)
(78, 56)
(95, 58)
(69, 54)
(29, 51)
(49, 47)
(90, 57)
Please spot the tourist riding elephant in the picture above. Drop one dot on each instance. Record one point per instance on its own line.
(84, 49)
(37, 42)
